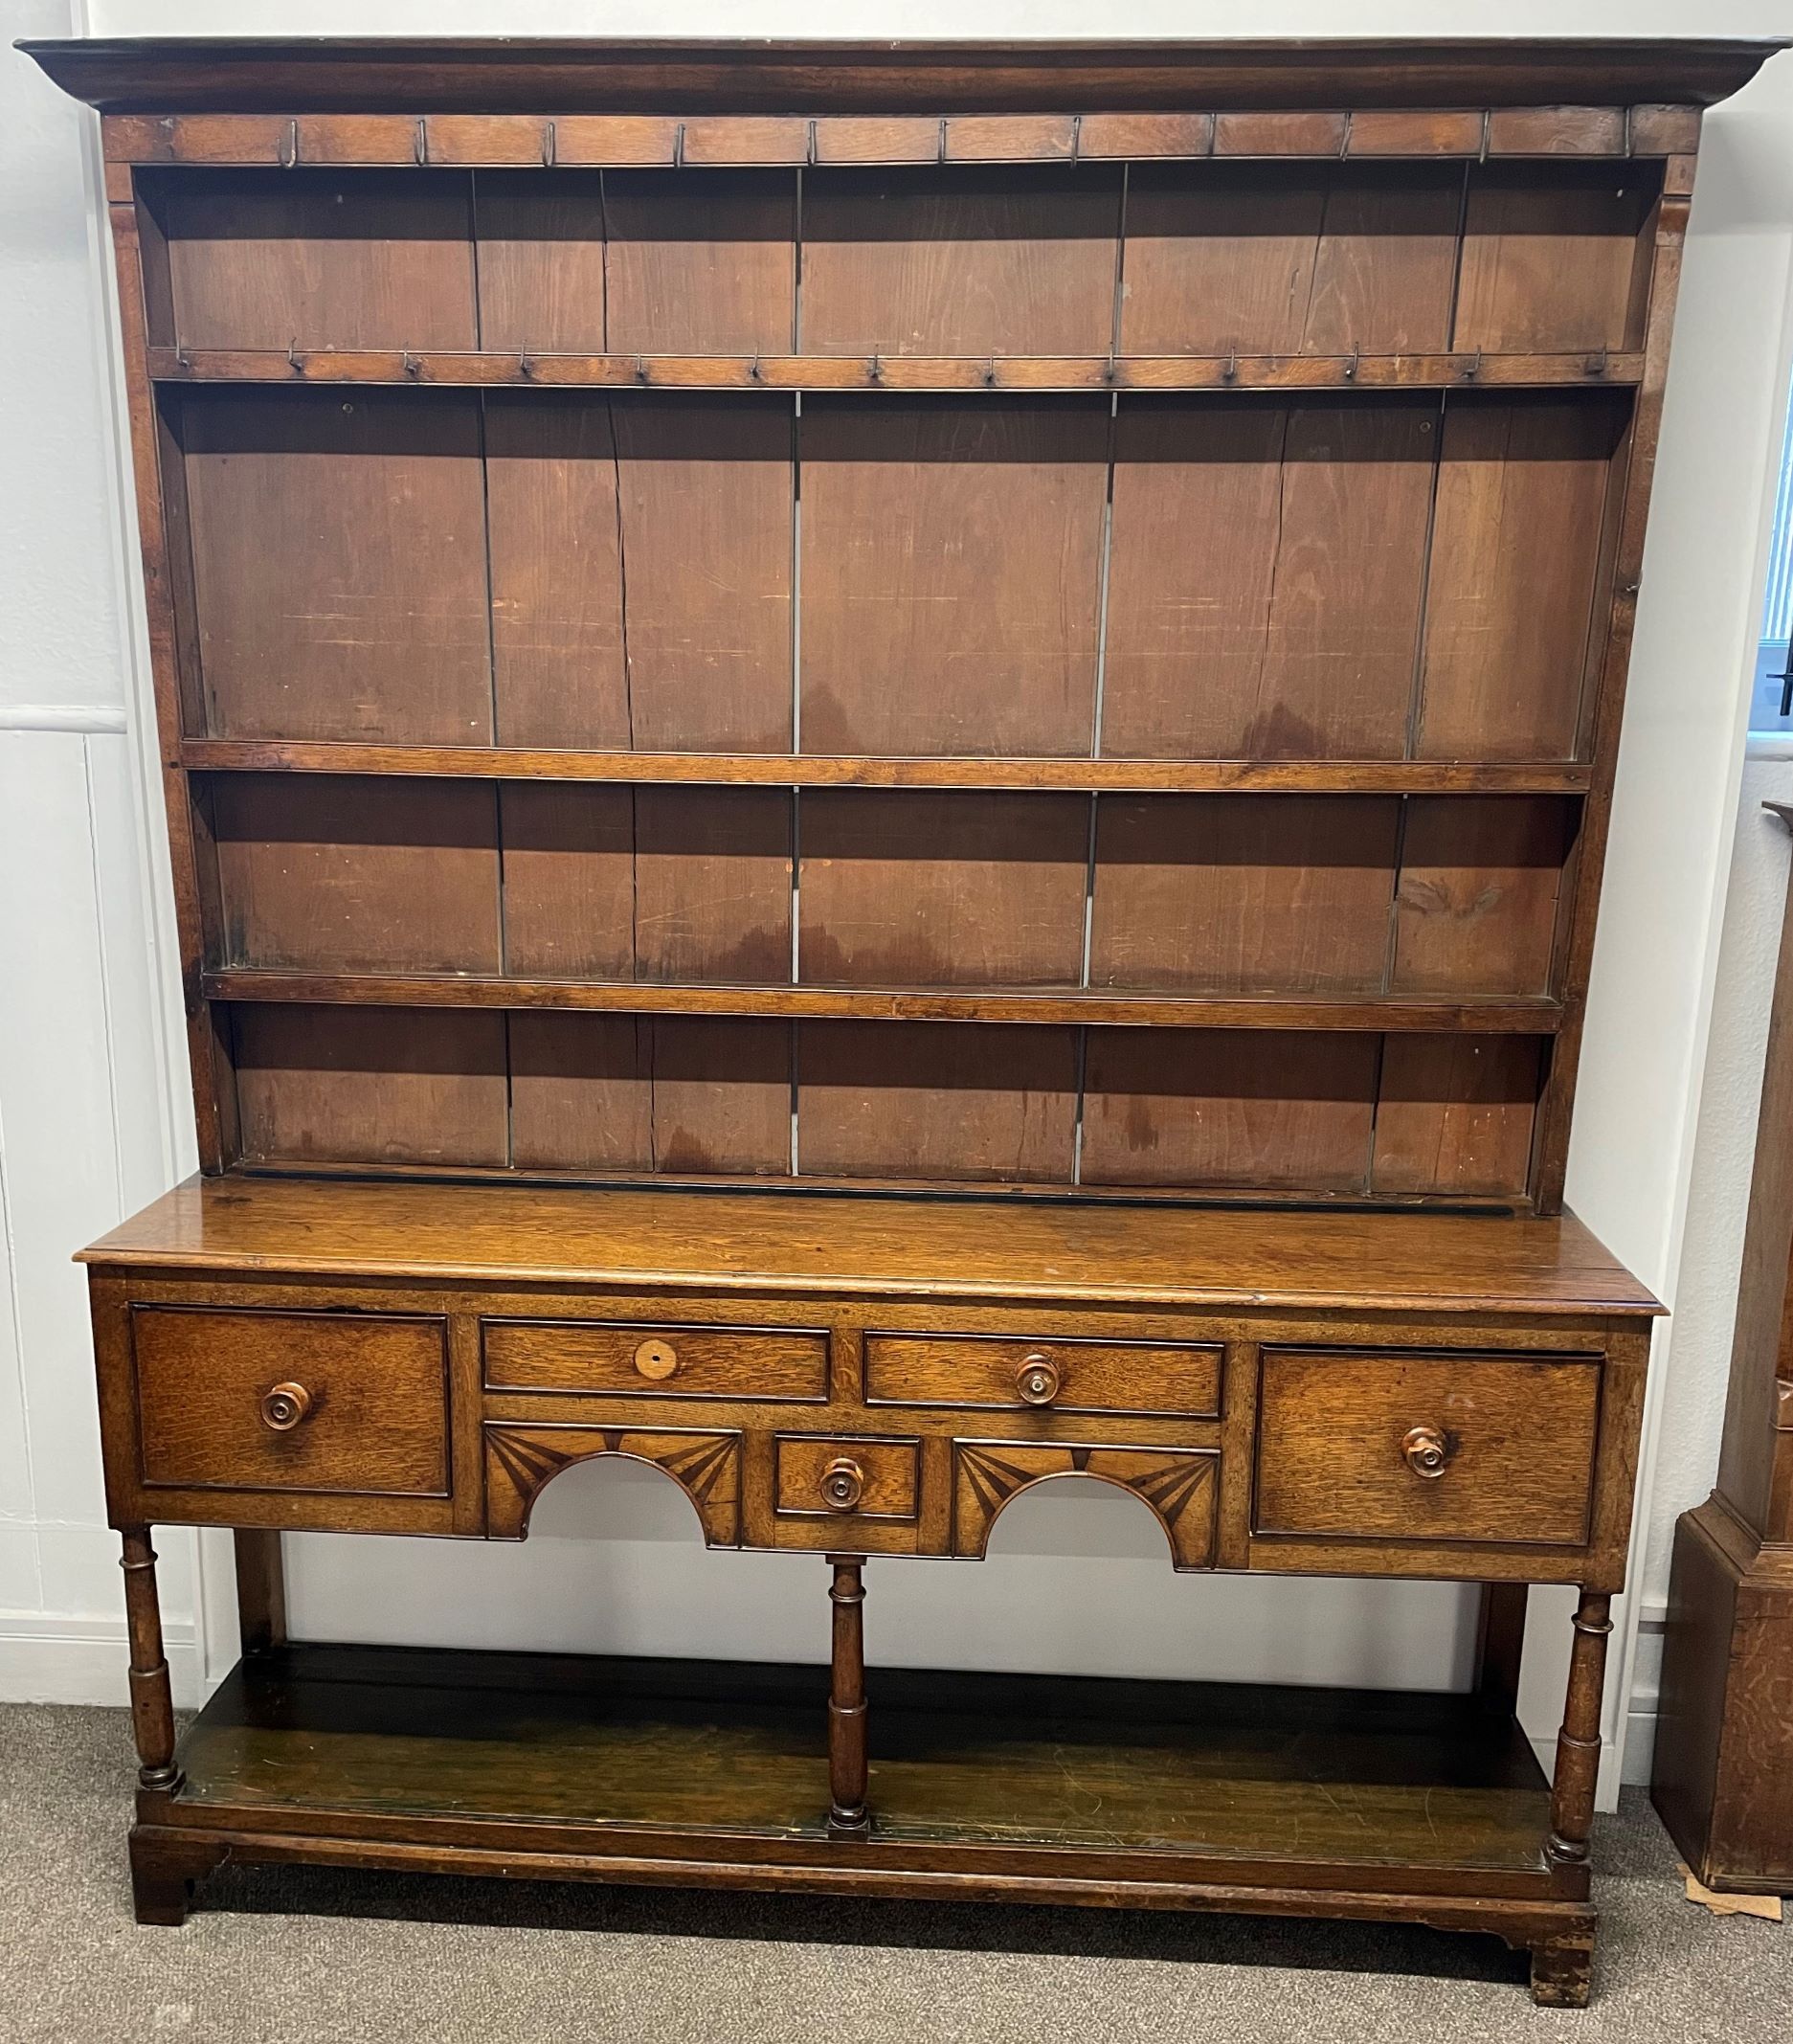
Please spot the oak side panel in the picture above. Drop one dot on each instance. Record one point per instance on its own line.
(542, 258)
(1013, 262)
(1476, 907)
(951, 575)
(621, 1092)
(1264, 577)
(1522, 490)
(339, 564)
(909, 887)
(703, 263)
(1550, 258)
(1455, 1113)
(1228, 1108)
(1278, 259)
(317, 259)
(334, 873)
(371, 1086)
(1241, 895)
(974, 1101)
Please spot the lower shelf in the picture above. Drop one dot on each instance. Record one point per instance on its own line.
(1287, 1782)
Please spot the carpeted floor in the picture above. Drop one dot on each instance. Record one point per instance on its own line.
(306, 1956)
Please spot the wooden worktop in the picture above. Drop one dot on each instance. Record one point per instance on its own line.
(914, 1245)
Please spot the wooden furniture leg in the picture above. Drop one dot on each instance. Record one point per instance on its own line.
(261, 1589)
(152, 1701)
(848, 1813)
(1501, 1642)
(1562, 1969)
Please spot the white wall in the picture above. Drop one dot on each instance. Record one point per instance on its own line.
(1077, 1581)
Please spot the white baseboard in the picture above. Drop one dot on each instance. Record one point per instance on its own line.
(57, 1657)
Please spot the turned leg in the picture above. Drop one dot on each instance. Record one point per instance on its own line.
(152, 1701)
(260, 1590)
(1578, 1743)
(847, 1814)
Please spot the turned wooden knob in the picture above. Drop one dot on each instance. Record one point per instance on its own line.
(1038, 1380)
(1426, 1451)
(842, 1484)
(657, 1358)
(284, 1407)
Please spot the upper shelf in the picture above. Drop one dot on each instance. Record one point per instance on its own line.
(802, 770)
(1469, 369)
(155, 75)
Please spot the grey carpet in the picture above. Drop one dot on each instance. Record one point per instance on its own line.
(311, 1956)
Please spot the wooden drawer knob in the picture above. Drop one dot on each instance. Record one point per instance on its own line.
(1036, 1380)
(284, 1407)
(1426, 1451)
(657, 1358)
(842, 1484)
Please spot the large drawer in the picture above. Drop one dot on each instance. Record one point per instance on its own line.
(646, 1361)
(1124, 1377)
(273, 1401)
(1426, 1446)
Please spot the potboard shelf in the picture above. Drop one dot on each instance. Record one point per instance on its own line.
(1466, 370)
(1532, 1017)
(786, 770)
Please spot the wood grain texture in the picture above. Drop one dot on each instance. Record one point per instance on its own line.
(875, 1100)
(913, 889)
(377, 1418)
(642, 562)
(1228, 1108)
(1518, 1436)
(1522, 488)
(593, 1358)
(952, 569)
(346, 875)
(1242, 894)
(1230, 260)
(962, 263)
(966, 1370)
(601, 1092)
(541, 261)
(371, 1086)
(319, 615)
(313, 258)
(1176, 1485)
(1476, 906)
(1264, 580)
(890, 1472)
(1551, 263)
(704, 264)
(656, 884)
(522, 1460)
(1455, 1114)
(1184, 1257)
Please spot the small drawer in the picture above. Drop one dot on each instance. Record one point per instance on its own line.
(1427, 1447)
(268, 1401)
(845, 1478)
(1128, 1377)
(649, 1360)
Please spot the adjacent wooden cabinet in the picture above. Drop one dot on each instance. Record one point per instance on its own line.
(888, 769)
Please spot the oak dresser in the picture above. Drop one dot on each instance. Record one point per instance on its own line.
(887, 769)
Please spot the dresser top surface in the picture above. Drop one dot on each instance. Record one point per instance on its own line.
(495, 74)
(914, 1246)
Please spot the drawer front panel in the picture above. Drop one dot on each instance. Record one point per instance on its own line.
(1125, 1377)
(1426, 1446)
(846, 1479)
(643, 1361)
(253, 1399)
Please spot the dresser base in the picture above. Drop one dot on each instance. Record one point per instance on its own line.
(1292, 1802)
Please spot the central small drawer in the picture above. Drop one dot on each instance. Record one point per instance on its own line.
(643, 1360)
(1003, 1373)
